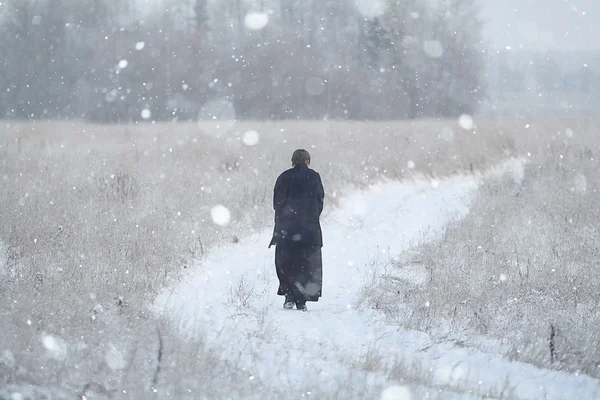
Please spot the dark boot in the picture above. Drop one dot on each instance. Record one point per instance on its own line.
(301, 306)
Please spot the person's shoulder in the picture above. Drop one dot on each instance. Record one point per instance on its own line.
(314, 176)
(288, 171)
(314, 173)
(285, 174)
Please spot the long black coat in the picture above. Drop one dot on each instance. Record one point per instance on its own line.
(298, 202)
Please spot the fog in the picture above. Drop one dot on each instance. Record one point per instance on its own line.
(542, 24)
(134, 61)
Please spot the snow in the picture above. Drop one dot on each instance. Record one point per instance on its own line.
(123, 64)
(220, 215)
(3, 259)
(146, 114)
(569, 133)
(517, 173)
(416, 274)
(115, 357)
(396, 393)
(371, 8)
(579, 183)
(56, 348)
(251, 138)
(7, 359)
(466, 122)
(140, 45)
(230, 300)
(256, 21)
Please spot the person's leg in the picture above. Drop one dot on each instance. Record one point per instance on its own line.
(302, 276)
(300, 300)
(309, 280)
(281, 266)
(314, 288)
(301, 305)
(285, 268)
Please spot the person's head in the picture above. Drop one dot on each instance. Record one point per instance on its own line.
(300, 156)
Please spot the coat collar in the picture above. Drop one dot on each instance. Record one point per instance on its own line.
(301, 166)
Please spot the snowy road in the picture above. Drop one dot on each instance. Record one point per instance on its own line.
(230, 300)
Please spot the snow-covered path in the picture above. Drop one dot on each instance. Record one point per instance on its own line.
(231, 300)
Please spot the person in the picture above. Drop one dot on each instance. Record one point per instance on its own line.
(298, 199)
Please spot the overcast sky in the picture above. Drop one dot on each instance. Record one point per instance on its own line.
(568, 24)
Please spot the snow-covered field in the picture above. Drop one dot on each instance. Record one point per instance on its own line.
(75, 283)
(229, 300)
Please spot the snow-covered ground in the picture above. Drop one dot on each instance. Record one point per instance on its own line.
(230, 299)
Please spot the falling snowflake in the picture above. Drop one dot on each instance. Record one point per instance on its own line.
(146, 114)
(371, 8)
(569, 133)
(55, 347)
(251, 138)
(466, 122)
(220, 215)
(123, 64)
(140, 45)
(256, 21)
(410, 164)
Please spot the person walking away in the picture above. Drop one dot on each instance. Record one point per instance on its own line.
(298, 199)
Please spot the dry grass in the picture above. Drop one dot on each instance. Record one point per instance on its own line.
(117, 210)
(96, 219)
(521, 268)
(115, 358)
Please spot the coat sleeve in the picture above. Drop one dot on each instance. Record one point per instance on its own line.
(279, 195)
(320, 193)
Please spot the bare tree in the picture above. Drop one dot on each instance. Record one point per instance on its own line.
(109, 60)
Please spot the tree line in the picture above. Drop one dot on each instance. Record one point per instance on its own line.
(130, 60)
